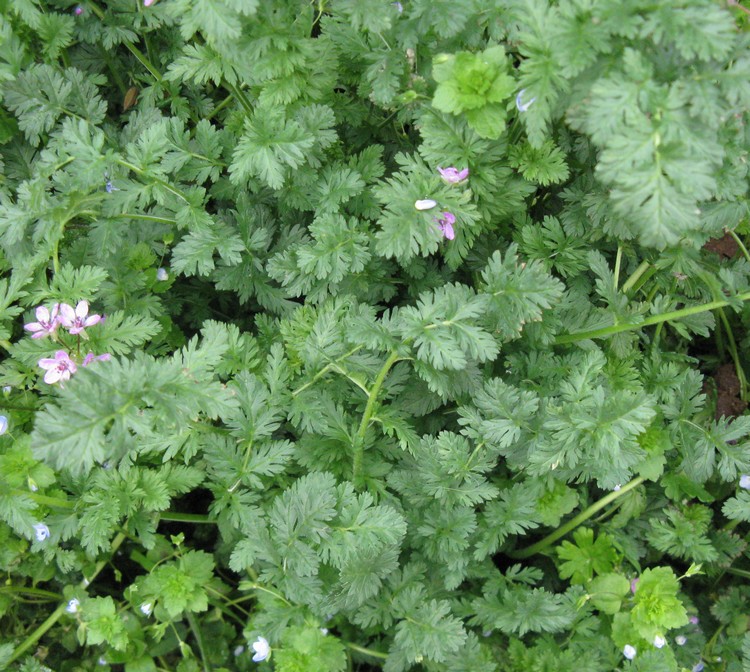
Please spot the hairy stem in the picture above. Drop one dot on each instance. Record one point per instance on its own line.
(649, 321)
(359, 439)
(366, 652)
(582, 517)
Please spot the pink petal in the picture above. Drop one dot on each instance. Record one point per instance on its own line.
(42, 314)
(47, 363)
(448, 230)
(67, 314)
(82, 309)
(39, 334)
(52, 376)
(33, 326)
(91, 320)
(88, 359)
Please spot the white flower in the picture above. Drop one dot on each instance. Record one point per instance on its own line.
(261, 648)
(680, 640)
(3, 424)
(162, 275)
(745, 481)
(617, 487)
(102, 661)
(73, 605)
(629, 652)
(7, 389)
(41, 531)
(426, 204)
(659, 641)
(146, 608)
(238, 650)
(522, 107)
(32, 484)
(324, 631)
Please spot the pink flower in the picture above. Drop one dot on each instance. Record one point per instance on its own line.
(445, 224)
(58, 368)
(452, 175)
(75, 320)
(46, 322)
(148, 3)
(100, 358)
(78, 10)
(634, 585)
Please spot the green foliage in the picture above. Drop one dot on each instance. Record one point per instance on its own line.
(586, 558)
(312, 415)
(475, 85)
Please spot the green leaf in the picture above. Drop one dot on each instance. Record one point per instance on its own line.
(516, 293)
(269, 145)
(306, 649)
(178, 586)
(657, 607)
(608, 592)
(444, 328)
(101, 623)
(586, 558)
(429, 632)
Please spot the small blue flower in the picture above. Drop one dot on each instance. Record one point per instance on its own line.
(745, 481)
(261, 648)
(398, 6)
(680, 640)
(41, 531)
(659, 641)
(698, 667)
(108, 184)
(523, 107)
(162, 275)
(146, 608)
(629, 652)
(3, 424)
(73, 605)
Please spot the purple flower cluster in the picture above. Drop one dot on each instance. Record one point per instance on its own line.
(75, 320)
(446, 219)
(60, 367)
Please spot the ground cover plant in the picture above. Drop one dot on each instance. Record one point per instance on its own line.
(360, 335)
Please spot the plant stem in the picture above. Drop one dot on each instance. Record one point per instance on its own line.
(37, 592)
(636, 275)
(359, 439)
(618, 263)
(44, 499)
(35, 636)
(575, 522)
(732, 345)
(367, 652)
(174, 516)
(198, 638)
(240, 97)
(654, 319)
(740, 244)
